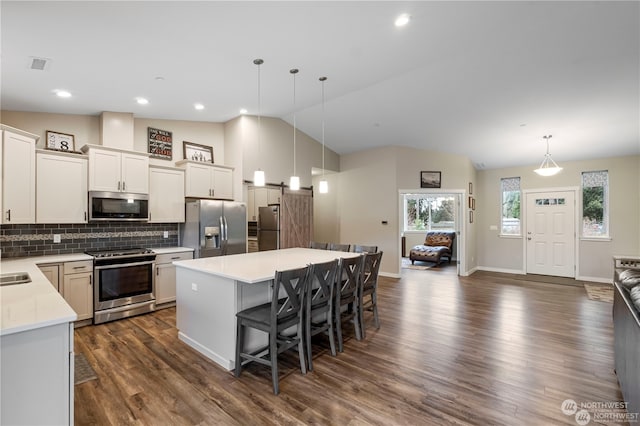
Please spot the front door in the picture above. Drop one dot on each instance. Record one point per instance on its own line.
(551, 233)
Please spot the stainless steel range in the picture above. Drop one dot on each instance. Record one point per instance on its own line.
(124, 283)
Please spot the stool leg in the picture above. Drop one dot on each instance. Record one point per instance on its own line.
(239, 344)
(273, 349)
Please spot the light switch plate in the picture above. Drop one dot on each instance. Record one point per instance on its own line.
(194, 286)
(56, 238)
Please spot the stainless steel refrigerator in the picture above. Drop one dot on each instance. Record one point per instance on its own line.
(269, 228)
(214, 228)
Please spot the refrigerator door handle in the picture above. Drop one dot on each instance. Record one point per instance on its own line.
(226, 229)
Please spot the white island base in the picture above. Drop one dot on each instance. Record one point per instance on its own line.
(210, 291)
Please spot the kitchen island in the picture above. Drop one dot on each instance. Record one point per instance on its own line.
(210, 291)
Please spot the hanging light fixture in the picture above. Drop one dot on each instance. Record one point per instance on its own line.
(548, 166)
(324, 185)
(294, 181)
(258, 175)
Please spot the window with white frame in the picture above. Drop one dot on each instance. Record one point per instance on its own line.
(595, 204)
(510, 206)
(429, 212)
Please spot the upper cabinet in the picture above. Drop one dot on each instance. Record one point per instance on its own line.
(115, 170)
(62, 187)
(166, 194)
(261, 197)
(204, 180)
(18, 163)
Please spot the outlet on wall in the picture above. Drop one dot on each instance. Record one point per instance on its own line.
(56, 238)
(194, 286)
(165, 234)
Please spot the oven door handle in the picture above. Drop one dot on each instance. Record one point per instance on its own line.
(120, 265)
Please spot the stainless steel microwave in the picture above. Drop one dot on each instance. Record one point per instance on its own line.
(118, 206)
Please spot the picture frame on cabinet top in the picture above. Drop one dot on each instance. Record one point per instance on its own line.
(197, 152)
(58, 141)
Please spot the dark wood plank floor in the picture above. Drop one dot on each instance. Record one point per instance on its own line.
(485, 349)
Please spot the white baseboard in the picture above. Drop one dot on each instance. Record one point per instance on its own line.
(225, 363)
(389, 274)
(596, 279)
(501, 270)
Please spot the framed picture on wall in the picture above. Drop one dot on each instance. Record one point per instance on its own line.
(196, 152)
(430, 179)
(160, 143)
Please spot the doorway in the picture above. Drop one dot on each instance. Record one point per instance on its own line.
(550, 233)
(423, 210)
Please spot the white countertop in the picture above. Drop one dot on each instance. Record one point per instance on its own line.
(36, 304)
(166, 250)
(260, 266)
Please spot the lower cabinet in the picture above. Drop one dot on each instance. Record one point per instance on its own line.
(77, 287)
(166, 277)
(52, 272)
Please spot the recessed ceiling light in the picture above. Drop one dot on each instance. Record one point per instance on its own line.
(402, 20)
(159, 78)
(198, 106)
(142, 101)
(243, 111)
(62, 93)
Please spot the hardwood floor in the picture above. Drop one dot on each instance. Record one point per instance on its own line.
(485, 349)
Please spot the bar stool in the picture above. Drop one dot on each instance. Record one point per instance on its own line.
(347, 296)
(273, 318)
(369, 288)
(339, 247)
(317, 245)
(319, 304)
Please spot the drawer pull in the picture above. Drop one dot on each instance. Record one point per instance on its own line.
(79, 267)
(175, 258)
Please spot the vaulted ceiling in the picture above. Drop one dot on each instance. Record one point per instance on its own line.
(482, 79)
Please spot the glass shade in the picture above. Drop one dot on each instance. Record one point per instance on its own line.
(294, 183)
(258, 178)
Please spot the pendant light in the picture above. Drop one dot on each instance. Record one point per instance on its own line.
(258, 175)
(324, 185)
(294, 181)
(548, 166)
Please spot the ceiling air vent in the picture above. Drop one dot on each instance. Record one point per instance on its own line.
(39, 64)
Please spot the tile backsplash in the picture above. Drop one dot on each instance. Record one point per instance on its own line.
(37, 239)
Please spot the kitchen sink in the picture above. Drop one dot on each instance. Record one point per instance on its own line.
(14, 278)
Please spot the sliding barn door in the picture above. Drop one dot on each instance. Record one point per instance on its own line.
(296, 218)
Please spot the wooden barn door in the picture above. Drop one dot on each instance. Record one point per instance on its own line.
(296, 218)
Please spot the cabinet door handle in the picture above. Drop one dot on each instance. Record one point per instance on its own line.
(157, 271)
(118, 185)
(123, 185)
(9, 215)
(90, 280)
(85, 215)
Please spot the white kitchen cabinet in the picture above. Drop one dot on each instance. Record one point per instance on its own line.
(61, 187)
(116, 170)
(204, 180)
(18, 176)
(52, 272)
(166, 277)
(273, 195)
(77, 287)
(166, 194)
(261, 197)
(37, 376)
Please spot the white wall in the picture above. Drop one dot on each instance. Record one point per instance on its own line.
(594, 261)
(367, 193)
